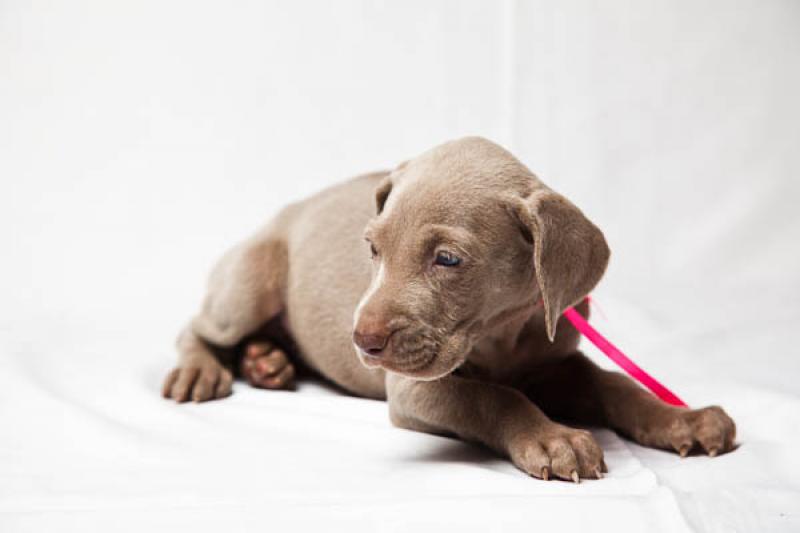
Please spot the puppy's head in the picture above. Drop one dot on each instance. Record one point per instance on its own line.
(467, 240)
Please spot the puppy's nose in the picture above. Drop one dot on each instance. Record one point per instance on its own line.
(372, 344)
(372, 337)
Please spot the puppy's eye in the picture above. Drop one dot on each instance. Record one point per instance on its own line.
(373, 251)
(447, 259)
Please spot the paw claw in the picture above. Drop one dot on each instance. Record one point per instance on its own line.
(709, 430)
(598, 473)
(556, 451)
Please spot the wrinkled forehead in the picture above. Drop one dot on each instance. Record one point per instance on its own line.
(428, 202)
(431, 215)
(454, 195)
(424, 236)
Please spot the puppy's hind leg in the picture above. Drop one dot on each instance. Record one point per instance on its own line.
(245, 291)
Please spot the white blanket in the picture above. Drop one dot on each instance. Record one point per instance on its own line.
(140, 139)
(89, 445)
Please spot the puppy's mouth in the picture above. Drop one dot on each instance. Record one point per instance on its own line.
(400, 364)
(417, 354)
(416, 368)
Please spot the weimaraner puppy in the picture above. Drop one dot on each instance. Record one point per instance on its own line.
(439, 287)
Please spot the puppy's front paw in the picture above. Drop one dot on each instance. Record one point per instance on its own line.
(198, 380)
(709, 429)
(267, 367)
(560, 451)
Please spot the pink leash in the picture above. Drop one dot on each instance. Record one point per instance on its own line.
(621, 359)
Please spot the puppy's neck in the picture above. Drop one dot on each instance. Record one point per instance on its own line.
(500, 335)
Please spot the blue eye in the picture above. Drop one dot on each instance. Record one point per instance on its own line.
(447, 259)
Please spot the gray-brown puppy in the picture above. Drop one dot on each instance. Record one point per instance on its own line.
(453, 305)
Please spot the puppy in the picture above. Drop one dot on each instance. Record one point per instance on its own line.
(439, 287)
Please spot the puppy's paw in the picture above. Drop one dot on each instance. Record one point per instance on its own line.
(199, 380)
(558, 451)
(267, 367)
(709, 429)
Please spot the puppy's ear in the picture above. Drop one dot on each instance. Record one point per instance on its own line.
(570, 253)
(385, 186)
(382, 193)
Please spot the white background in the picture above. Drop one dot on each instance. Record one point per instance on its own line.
(139, 140)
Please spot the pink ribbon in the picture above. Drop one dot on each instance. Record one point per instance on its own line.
(621, 359)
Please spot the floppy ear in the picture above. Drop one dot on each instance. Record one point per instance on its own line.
(382, 193)
(385, 186)
(570, 253)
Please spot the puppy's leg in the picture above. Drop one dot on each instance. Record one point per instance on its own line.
(245, 291)
(200, 375)
(577, 389)
(496, 416)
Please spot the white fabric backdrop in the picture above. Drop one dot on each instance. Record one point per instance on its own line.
(139, 140)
